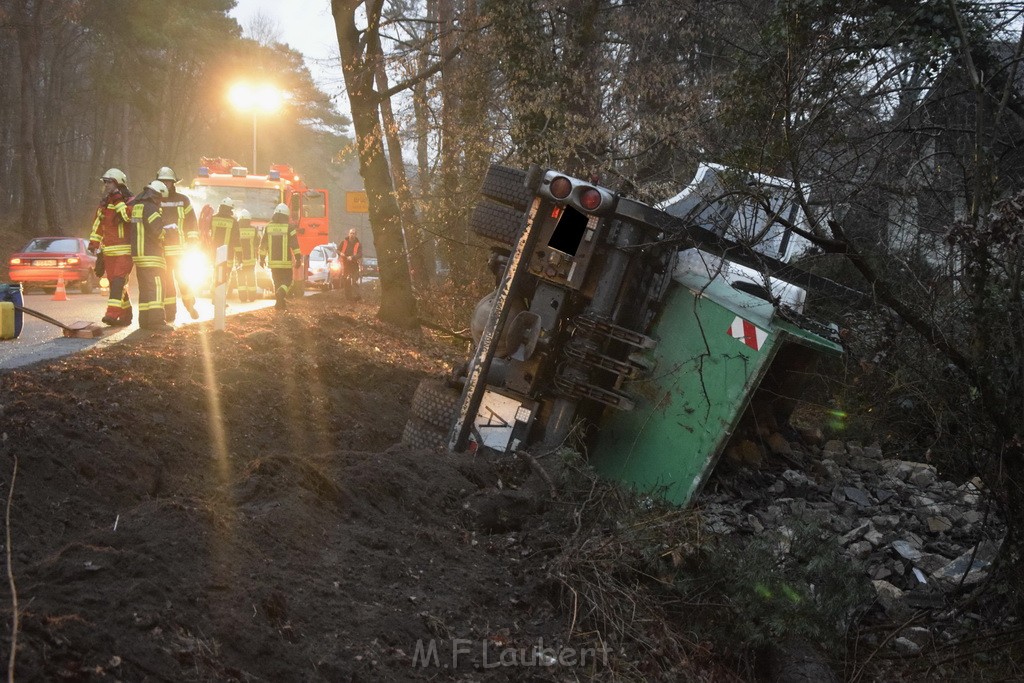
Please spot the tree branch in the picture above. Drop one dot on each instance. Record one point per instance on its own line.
(421, 76)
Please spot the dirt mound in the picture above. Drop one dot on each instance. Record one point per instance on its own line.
(233, 506)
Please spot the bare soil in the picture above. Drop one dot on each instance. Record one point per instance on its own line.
(234, 506)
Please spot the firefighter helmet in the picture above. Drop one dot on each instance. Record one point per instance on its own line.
(281, 208)
(115, 174)
(158, 186)
(165, 173)
(228, 202)
(243, 215)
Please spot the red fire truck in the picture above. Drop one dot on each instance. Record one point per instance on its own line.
(259, 194)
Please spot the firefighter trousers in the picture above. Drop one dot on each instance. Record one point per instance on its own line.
(282, 278)
(119, 305)
(173, 285)
(247, 280)
(151, 297)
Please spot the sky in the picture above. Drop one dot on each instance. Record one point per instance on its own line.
(306, 26)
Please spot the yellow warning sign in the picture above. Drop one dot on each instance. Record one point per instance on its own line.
(356, 202)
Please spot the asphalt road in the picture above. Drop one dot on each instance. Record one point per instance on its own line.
(40, 340)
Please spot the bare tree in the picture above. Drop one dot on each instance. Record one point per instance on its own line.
(905, 122)
(360, 65)
(263, 28)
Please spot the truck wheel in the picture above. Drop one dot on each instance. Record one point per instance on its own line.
(506, 185)
(419, 434)
(432, 415)
(496, 221)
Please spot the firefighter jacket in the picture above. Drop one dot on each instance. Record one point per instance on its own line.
(223, 230)
(280, 243)
(179, 222)
(147, 231)
(112, 228)
(248, 243)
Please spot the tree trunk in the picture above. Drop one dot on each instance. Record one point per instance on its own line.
(448, 214)
(397, 304)
(37, 180)
(425, 248)
(412, 232)
(28, 54)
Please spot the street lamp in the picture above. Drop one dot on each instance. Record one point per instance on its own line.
(258, 99)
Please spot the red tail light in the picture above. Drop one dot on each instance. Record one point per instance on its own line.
(561, 187)
(15, 261)
(582, 195)
(72, 261)
(590, 199)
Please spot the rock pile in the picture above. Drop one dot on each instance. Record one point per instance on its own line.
(918, 537)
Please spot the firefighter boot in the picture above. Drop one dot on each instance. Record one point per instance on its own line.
(282, 294)
(190, 306)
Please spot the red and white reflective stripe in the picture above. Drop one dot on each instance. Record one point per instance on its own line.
(748, 333)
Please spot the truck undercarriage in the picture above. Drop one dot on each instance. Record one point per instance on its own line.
(653, 330)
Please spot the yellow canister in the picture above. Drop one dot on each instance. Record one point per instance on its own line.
(7, 330)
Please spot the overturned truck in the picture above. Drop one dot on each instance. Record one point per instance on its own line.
(652, 333)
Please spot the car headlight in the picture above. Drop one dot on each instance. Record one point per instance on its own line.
(195, 269)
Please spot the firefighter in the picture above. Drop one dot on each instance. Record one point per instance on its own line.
(148, 255)
(111, 235)
(180, 227)
(223, 230)
(278, 249)
(351, 255)
(246, 254)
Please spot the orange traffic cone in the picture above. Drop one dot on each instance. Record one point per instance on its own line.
(61, 293)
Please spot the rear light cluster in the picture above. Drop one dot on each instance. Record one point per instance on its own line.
(70, 261)
(581, 195)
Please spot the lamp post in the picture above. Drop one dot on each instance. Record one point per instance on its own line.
(258, 99)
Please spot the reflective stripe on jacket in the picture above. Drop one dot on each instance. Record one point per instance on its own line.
(248, 243)
(111, 229)
(147, 242)
(351, 247)
(280, 243)
(179, 222)
(223, 230)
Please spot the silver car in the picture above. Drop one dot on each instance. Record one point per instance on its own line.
(318, 273)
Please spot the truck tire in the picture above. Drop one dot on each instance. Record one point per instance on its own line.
(506, 185)
(432, 414)
(496, 221)
(419, 434)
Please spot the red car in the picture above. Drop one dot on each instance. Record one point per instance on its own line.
(45, 260)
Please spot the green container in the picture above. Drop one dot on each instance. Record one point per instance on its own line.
(716, 347)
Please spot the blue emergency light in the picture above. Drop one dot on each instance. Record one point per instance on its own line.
(274, 174)
(204, 172)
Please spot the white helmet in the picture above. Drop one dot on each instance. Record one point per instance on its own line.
(228, 202)
(158, 186)
(165, 173)
(281, 208)
(115, 174)
(243, 215)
